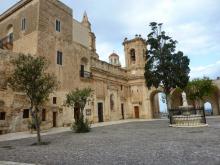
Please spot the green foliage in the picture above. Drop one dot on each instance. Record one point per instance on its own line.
(78, 99)
(81, 125)
(164, 66)
(198, 89)
(29, 76)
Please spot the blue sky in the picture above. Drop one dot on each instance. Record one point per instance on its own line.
(195, 24)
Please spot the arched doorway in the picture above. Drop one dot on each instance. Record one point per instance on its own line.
(208, 109)
(158, 105)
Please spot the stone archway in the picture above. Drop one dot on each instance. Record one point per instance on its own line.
(175, 101)
(214, 104)
(208, 109)
(155, 103)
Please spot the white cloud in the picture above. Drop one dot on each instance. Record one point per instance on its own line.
(104, 49)
(211, 70)
(195, 25)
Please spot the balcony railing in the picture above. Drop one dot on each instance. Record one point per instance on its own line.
(85, 74)
(7, 42)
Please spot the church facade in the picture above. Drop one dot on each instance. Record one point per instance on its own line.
(47, 28)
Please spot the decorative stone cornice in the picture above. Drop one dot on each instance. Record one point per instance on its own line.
(137, 38)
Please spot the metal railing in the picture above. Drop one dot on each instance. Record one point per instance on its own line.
(187, 115)
(85, 74)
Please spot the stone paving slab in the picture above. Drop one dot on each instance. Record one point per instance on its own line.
(22, 135)
(14, 163)
(136, 143)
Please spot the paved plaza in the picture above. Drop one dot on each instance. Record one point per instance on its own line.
(146, 142)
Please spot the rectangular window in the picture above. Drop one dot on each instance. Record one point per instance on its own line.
(59, 58)
(58, 26)
(2, 115)
(54, 100)
(23, 24)
(44, 115)
(25, 113)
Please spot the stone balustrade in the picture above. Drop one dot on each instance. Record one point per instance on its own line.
(104, 66)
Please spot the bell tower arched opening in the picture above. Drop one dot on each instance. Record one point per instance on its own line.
(132, 56)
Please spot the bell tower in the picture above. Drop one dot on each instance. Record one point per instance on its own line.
(135, 50)
(135, 58)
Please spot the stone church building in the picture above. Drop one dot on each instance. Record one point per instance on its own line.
(47, 28)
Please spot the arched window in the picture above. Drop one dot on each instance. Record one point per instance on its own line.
(132, 56)
(84, 68)
(8, 41)
(84, 62)
(9, 29)
(112, 102)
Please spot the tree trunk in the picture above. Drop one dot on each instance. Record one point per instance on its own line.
(37, 124)
(194, 104)
(168, 100)
(38, 133)
(34, 114)
(81, 111)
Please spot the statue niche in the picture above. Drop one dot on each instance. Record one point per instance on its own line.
(112, 104)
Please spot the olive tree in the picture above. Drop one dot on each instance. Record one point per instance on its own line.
(29, 76)
(78, 99)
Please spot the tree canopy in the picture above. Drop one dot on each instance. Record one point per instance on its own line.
(30, 76)
(164, 66)
(199, 89)
(78, 99)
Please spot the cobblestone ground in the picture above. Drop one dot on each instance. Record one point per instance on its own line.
(151, 143)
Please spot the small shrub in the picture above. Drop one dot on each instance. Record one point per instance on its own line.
(81, 126)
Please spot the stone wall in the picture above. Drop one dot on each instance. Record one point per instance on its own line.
(108, 68)
(80, 34)
(49, 12)
(23, 41)
(30, 12)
